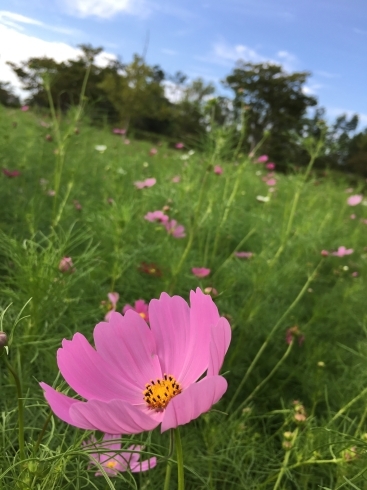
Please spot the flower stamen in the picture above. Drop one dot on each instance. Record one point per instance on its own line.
(158, 393)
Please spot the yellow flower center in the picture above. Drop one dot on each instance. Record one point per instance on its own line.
(158, 393)
(143, 315)
(111, 464)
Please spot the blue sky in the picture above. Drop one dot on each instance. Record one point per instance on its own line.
(204, 38)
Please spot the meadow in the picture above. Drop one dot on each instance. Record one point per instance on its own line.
(283, 257)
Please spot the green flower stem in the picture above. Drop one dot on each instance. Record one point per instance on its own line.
(270, 335)
(348, 405)
(180, 466)
(20, 408)
(285, 462)
(265, 380)
(42, 433)
(169, 462)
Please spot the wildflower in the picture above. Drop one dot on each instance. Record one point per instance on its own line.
(113, 460)
(263, 198)
(10, 173)
(140, 184)
(139, 307)
(24, 108)
(294, 333)
(300, 417)
(174, 229)
(48, 137)
(153, 151)
(150, 269)
(179, 146)
(139, 377)
(66, 265)
(100, 148)
(218, 170)
(156, 216)
(77, 205)
(176, 179)
(113, 299)
(3, 342)
(321, 364)
(324, 253)
(200, 271)
(244, 255)
(342, 251)
(119, 131)
(262, 159)
(350, 453)
(354, 200)
(355, 274)
(185, 157)
(271, 182)
(270, 166)
(190, 153)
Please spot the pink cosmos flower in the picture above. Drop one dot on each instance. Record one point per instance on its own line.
(24, 108)
(294, 333)
(354, 200)
(271, 182)
(153, 151)
(244, 255)
(156, 216)
(139, 307)
(270, 166)
(137, 376)
(112, 460)
(179, 146)
(262, 159)
(342, 251)
(10, 173)
(113, 299)
(140, 184)
(174, 229)
(218, 170)
(352, 216)
(200, 271)
(324, 253)
(66, 265)
(119, 131)
(77, 205)
(176, 179)
(355, 274)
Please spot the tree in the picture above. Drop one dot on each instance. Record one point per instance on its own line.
(274, 101)
(7, 97)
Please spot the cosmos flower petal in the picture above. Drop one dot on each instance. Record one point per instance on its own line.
(114, 417)
(127, 343)
(192, 402)
(203, 317)
(59, 403)
(170, 325)
(219, 343)
(89, 374)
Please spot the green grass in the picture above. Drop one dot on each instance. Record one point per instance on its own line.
(243, 447)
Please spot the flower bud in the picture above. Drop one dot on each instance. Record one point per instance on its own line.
(3, 341)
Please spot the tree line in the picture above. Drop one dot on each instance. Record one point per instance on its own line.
(133, 96)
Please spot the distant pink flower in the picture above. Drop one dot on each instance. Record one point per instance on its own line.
(145, 183)
(119, 131)
(200, 271)
(140, 307)
(271, 182)
(24, 108)
(342, 251)
(10, 173)
(176, 179)
(244, 255)
(355, 274)
(294, 333)
(126, 141)
(113, 299)
(325, 253)
(353, 216)
(66, 265)
(270, 166)
(364, 221)
(156, 216)
(355, 199)
(77, 205)
(218, 170)
(153, 151)
(113, 460)
(262, 159)
(131, 364)
(174, 229)
(179, 146)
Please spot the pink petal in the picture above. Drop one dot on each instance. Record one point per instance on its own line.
(128, 345)
(192, 402)
(203, 317)
(113, 297)
(114, 417)
(170, 325)
(150, 182)
(90, 375)
(355, 200)
(219, 343)
(59, 403)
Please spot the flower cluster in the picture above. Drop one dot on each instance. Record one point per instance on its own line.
(172, 227)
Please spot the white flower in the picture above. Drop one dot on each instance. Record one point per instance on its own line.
(191, 152)
(185, 157)
(100, 148)
(263, 198)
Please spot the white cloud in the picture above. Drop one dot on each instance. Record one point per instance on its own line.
(170, 52)
(20, 47)
(15, 21)
(312, 88)
(173, 92)
(101, 8)
(326, 74)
